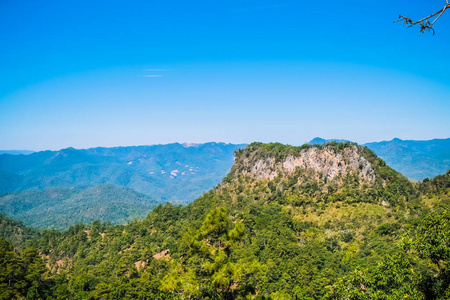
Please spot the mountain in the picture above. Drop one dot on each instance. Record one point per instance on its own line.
(321, 141)
(59, 208)
(329, 172)
(175, 172)
(415, 159)
(328, 221)
(16, 152)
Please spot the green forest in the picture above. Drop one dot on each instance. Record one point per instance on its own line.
(328, 221)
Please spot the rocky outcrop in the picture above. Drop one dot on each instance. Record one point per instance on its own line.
(326, 163)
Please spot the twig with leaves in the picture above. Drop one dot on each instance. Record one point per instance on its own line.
(424, 23)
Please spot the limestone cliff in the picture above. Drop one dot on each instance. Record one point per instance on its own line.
(332, 162)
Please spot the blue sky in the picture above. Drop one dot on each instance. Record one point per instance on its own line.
(110, 73)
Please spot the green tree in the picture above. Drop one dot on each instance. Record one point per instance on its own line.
(392, 279)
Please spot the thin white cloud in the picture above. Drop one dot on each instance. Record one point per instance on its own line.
(153, 76)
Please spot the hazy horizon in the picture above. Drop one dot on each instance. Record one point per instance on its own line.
(201, 143)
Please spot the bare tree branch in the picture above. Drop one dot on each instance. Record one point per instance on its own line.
(424, 24)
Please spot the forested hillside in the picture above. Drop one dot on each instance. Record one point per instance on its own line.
(174, 172)
(313, 222)
(59, 208)
(415, 159)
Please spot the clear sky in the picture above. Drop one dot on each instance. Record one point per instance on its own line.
(110, 73)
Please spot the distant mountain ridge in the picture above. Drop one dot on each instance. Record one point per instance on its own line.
(16, 152)
(321, 141)
(415, 159)
(56, 189)
(173, 172)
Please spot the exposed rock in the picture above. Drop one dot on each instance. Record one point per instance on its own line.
(162, 254)
(319, 163)
(140, 264)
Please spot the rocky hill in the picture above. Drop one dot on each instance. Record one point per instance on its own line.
(329, 172)
(331, 162)
(416, 160)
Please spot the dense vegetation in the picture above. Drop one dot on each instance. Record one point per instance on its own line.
(56, 189)
(291, 236)
(415, 159)
(58, 208)
(23, 274)
(173, 172)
